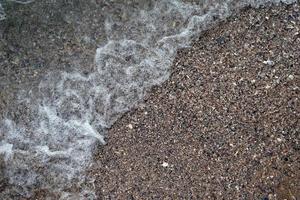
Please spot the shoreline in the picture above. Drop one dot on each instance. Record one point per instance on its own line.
(193, 135)
(224, 126)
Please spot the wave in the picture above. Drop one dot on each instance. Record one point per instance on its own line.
(52, 148)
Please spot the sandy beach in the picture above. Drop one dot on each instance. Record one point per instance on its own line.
(224, 126)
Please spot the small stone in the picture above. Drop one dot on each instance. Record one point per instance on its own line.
(16, 61)
(165, 164)
(130, 126)
(220, 40)
(279, 139)
(268, 62)
(290, 77)
(268, 86)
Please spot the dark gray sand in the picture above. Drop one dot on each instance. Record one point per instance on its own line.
(41, 37)
(224, 126)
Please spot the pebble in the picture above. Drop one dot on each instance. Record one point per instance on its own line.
(165, 164)
(268, 86)
(291, 77)
(269, 62)
(130, 126)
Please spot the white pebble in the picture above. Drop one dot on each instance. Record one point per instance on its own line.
(130, 126)
(268, 86)
(165, 164)
(291, 77)
(269, 62)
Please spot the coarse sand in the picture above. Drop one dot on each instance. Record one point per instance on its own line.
(224, 126)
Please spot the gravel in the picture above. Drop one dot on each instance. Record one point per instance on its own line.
(224, 126)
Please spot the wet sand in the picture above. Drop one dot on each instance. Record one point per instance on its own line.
(224, 126)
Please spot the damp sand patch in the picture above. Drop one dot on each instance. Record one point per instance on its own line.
(50, 143)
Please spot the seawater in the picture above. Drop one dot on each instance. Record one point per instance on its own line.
(74, 110)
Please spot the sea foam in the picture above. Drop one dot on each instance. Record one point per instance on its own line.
(53, 146)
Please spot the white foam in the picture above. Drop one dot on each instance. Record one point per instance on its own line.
(2, 13)
(6, 149)
(73, 111)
